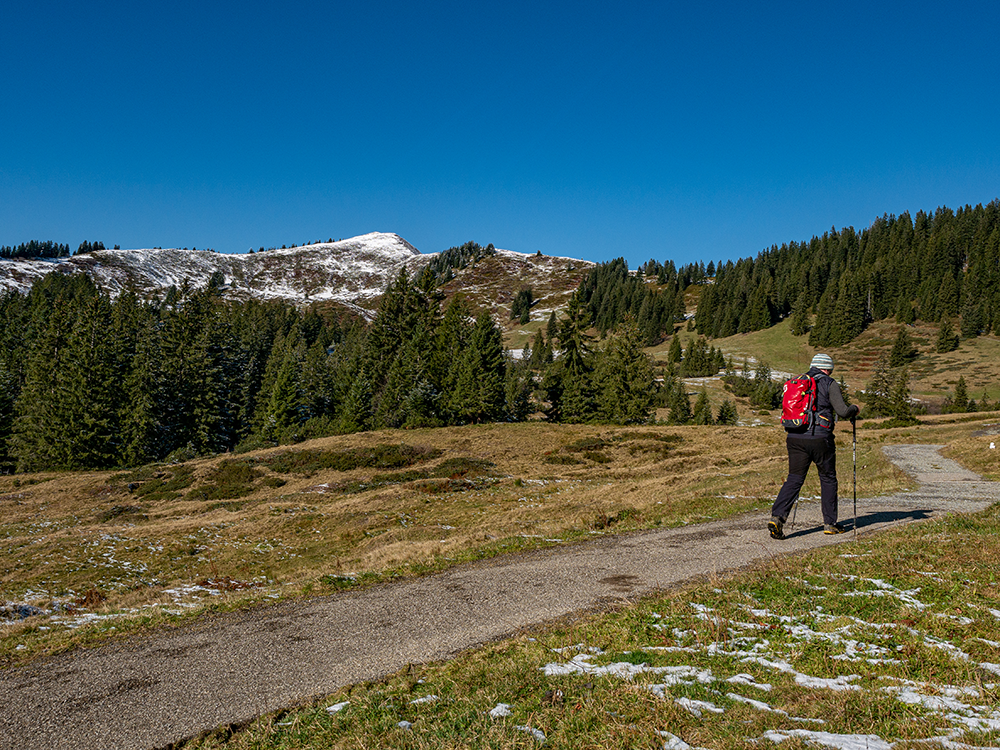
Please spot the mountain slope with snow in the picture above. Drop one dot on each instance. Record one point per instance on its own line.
(352, 273)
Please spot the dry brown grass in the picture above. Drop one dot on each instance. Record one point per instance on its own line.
(62, 535)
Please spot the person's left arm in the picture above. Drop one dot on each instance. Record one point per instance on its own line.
(837, 402)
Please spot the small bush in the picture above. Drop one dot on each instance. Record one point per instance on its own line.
(559, 458)
(586, 444)
(379, 456)
(463, 467)
(230, 480)
(155, 484)
(606, 521)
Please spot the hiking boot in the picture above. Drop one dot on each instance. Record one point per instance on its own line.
(775, 527)
(834, 528)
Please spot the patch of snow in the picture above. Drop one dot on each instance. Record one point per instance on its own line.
(500, 710)
(538, 734)
(840, 741)
(695, 707)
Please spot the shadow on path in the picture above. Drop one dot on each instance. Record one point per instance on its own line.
(873, 518)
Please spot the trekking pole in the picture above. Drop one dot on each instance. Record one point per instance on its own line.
(795, 507)
(854, 451)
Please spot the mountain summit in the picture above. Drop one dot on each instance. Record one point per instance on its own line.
(352, 273)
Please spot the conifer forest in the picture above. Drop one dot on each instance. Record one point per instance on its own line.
(87, 381)
(92, 381)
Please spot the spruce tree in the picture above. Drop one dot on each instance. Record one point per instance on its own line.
(93, 393)
(675, 354)
(140, 425)
(899, 400)
(822, 333)
(36, 438)
(479, 376)
(518, 386)
(727, 413)
(972, 306)
(552, 328)
(947, 339)
(702, 410)
(8, 395)
(878, 391)
(905, 313)
(623, 378)
(800, 315)
(960, 402)
(281, 411)
(947, 298)
(487, 341)
(680, 405)
(356, 407)
(902, 349)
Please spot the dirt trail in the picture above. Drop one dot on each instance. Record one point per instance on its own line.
(151, 692)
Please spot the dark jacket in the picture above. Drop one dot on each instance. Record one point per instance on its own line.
(829, 400)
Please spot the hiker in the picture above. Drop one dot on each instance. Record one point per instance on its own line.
(815, 445)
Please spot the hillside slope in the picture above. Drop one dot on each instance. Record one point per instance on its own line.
(352, 273)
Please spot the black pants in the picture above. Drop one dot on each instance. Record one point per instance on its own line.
(803, 451)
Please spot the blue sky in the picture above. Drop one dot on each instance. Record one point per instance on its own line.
(689, 132)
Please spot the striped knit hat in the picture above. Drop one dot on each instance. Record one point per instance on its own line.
(822, 362)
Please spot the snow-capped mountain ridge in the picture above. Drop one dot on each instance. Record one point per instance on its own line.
(351, 272)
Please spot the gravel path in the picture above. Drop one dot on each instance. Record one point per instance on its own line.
(154, 691)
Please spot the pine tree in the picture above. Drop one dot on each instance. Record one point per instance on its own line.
(680, 405)
(947, 340)
(702, 410)
(800, 315)
(972, 306)
(355, 410)
(902, 349)
(552, 328)
(960, 402)
(727, 413)
(878, 391)
(623, 378)
(899, 400)
(675, 354)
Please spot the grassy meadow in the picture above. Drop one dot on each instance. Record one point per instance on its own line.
(90, 557)
(101, 553)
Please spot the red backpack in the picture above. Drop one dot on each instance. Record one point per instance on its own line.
(798, 404)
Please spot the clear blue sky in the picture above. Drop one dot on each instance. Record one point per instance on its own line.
(683, 131)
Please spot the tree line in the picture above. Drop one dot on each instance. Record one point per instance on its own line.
(931, 267)
(48, 249)
(936, 267)
(88, 381)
